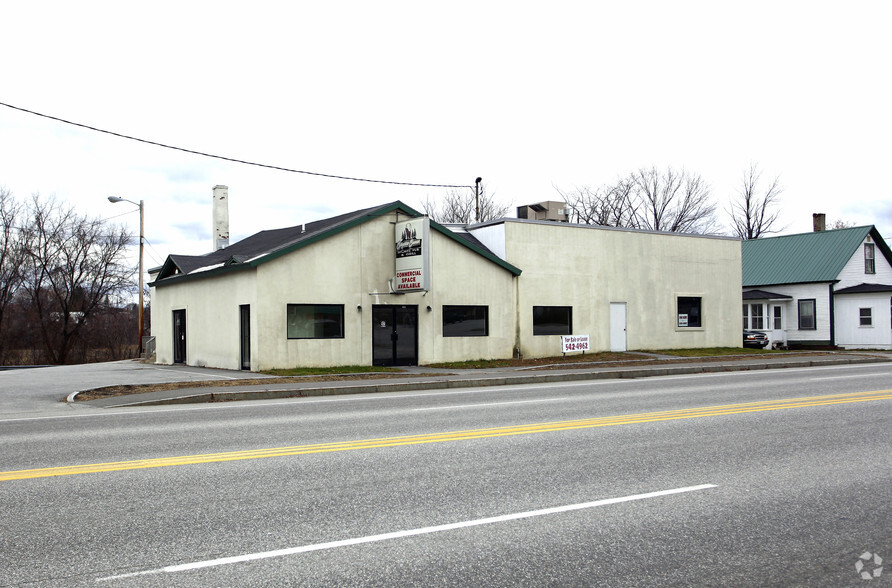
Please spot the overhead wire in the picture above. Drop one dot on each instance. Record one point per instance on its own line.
(230, 159)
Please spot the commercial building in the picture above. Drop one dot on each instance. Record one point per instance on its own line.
(386, 285)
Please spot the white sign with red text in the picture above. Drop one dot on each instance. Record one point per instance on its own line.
(412, 252)
(574, 343)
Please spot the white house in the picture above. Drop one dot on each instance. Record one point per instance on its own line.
(825, 288)
(386, 285)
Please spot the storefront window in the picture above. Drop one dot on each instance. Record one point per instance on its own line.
(315, 321)
(689, 312)
(552, 320)
(465, 321)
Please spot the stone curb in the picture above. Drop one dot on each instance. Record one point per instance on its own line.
(442, 384)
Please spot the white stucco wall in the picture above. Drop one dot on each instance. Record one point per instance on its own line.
(353, 268)
(588, 268)
(212, 318)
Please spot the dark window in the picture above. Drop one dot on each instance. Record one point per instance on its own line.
(866, 315)
(807, 321)
(552, 320)
(746, 317)
(869, 258)
(315, 321)
(778, 321)
(465, 321)
(689, 311)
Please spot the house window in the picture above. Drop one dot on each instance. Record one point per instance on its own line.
(866, 317)
(778, 319)
(465, 321)
(746, 316)
(758, 320)
(689, 312)
(807, 320)
(869, 258)
(315, 321)
(552, 320)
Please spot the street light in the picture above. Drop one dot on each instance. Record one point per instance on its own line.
(114, 200)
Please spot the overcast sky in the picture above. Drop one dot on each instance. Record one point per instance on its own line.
(530, 96)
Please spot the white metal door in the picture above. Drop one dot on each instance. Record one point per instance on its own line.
(617, 326)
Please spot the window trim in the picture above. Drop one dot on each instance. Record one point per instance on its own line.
(814, 315)
(340, 307)
(862, 316)
(760, 317)
(447, 307)
(870, 256)
(569, 316)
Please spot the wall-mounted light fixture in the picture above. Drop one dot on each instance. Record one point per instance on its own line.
(429, 309)
(359, 307)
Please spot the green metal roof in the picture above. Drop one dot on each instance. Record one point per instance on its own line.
(804, 258)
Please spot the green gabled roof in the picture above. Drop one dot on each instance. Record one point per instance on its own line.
(268, 245)
(805, 258)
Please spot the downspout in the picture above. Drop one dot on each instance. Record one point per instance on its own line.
(518, 354)
(832, 319)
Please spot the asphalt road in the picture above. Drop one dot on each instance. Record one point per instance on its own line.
(713, 480)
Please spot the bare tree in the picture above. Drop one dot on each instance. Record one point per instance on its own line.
(72, 269)
(755, 212)
(458, 206)
(840, 224)
(607, 205)
(650, 199)
(671, 200)
(11, 258)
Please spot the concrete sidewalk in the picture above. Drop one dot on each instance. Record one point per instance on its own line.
(422, 378)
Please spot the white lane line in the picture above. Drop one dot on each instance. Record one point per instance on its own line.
(489, 404)
(401, 534)
(847, 377)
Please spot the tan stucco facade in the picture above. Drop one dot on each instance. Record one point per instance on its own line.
(353, 269)
(586, 268)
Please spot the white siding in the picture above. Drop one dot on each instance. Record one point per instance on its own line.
(853, 272)
(820, 293)
(850, 333)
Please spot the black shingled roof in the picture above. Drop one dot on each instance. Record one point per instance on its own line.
(269, 244)
(864, 289)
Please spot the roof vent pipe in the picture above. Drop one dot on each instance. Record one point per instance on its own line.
(220, 229)
(819, 220)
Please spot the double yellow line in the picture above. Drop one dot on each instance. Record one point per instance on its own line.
(627, 419)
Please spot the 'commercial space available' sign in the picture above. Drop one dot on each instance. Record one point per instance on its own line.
(412, 249)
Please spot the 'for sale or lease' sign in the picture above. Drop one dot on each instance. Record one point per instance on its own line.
(574, 343)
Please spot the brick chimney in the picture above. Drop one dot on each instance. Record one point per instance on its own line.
(220, 229)
(819, 219)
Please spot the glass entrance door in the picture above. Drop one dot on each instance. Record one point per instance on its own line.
(179, 336)
(394, 335)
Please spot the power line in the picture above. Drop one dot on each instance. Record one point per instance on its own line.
(231, 159)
